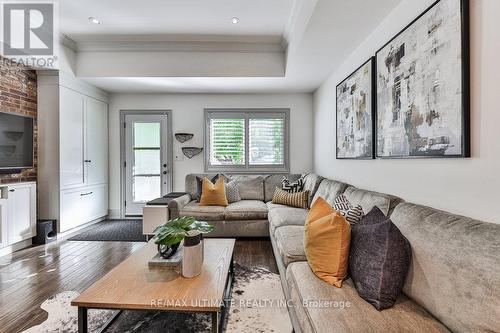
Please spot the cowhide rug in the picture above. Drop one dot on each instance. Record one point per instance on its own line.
(257, 305)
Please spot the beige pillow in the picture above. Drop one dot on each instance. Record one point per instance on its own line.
(299, 200)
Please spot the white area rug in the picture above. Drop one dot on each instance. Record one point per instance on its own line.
(257, 305)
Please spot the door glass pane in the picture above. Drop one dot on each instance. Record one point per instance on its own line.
(146, 188)
(147, 135)
(147, 161)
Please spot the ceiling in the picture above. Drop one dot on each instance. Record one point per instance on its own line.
(173, 17)
(316, 36)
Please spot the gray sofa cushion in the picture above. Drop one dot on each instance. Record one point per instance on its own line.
(250, 187)
(273, 181)
(370, 199)
(203, 213)
(329, 190)
(311, 183)
(290, 243)
(280, 215)
(246, 210)
(360, 316)
(455, 268)
(245, 228)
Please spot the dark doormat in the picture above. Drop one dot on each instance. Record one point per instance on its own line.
(113, 231)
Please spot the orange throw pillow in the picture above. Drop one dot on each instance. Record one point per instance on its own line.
(327, 238)
(213, 194)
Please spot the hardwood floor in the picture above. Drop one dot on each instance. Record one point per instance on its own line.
(30, 276)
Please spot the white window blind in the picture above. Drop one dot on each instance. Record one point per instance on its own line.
(227, 141)
(266, 141)
(246, 141)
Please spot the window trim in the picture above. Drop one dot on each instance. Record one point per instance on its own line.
(247, 114)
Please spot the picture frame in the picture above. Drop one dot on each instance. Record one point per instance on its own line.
(446, 122)
(355, 114)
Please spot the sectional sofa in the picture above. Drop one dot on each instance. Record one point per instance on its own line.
(454, 279)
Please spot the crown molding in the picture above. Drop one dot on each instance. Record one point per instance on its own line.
(176, 43)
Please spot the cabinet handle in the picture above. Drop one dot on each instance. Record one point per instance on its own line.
(12, 190)
(88, 161)
(85, 194)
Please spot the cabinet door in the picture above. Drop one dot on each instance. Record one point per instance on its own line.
(96, 138)
(21, 208)
(72, 209)
(96, 202)
(71, 120)
(83, 205)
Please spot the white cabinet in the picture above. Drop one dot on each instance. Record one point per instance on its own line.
(71, 132)
(18, 212)
(83, 136)
(96, 132)
(82, 205)
(21, 212)
(74, 182)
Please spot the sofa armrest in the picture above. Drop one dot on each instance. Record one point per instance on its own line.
(175, 205)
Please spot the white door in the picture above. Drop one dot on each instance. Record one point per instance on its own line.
(21, 212)
(96, 150)
(71, 133)
(147, 170)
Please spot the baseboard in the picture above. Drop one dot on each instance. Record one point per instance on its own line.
(74, 231)
(114, 214)
(15, 247)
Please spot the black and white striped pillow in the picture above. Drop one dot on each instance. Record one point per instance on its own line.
(351, 213)
(294, 187)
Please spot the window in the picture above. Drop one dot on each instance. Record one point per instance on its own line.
(246, 140)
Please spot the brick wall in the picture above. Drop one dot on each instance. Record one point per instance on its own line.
(18, 95)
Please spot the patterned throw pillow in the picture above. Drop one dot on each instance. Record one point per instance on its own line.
(232, 193)
(353, 214)
(292, 187)
(299, 200)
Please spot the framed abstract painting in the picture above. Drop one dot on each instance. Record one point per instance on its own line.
(423, 86)
(355, 111)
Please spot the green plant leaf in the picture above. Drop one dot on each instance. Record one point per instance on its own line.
(174, 231)
(202, 227)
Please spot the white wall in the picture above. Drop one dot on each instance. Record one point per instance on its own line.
(187, 111)
(469, 187)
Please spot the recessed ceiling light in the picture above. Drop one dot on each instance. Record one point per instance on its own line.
(235, 20)
(94, 20)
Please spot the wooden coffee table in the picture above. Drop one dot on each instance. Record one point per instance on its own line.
(133, 285)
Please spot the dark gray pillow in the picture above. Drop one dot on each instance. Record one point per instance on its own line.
(199, 183)
(378, 260)
(374, 216)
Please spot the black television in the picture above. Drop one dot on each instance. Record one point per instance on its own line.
(16, 142)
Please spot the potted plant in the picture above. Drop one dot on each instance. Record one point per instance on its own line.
(169, 235)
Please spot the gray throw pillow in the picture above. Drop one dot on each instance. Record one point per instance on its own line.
(232, 192)
(199, 183)
(379, 259)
